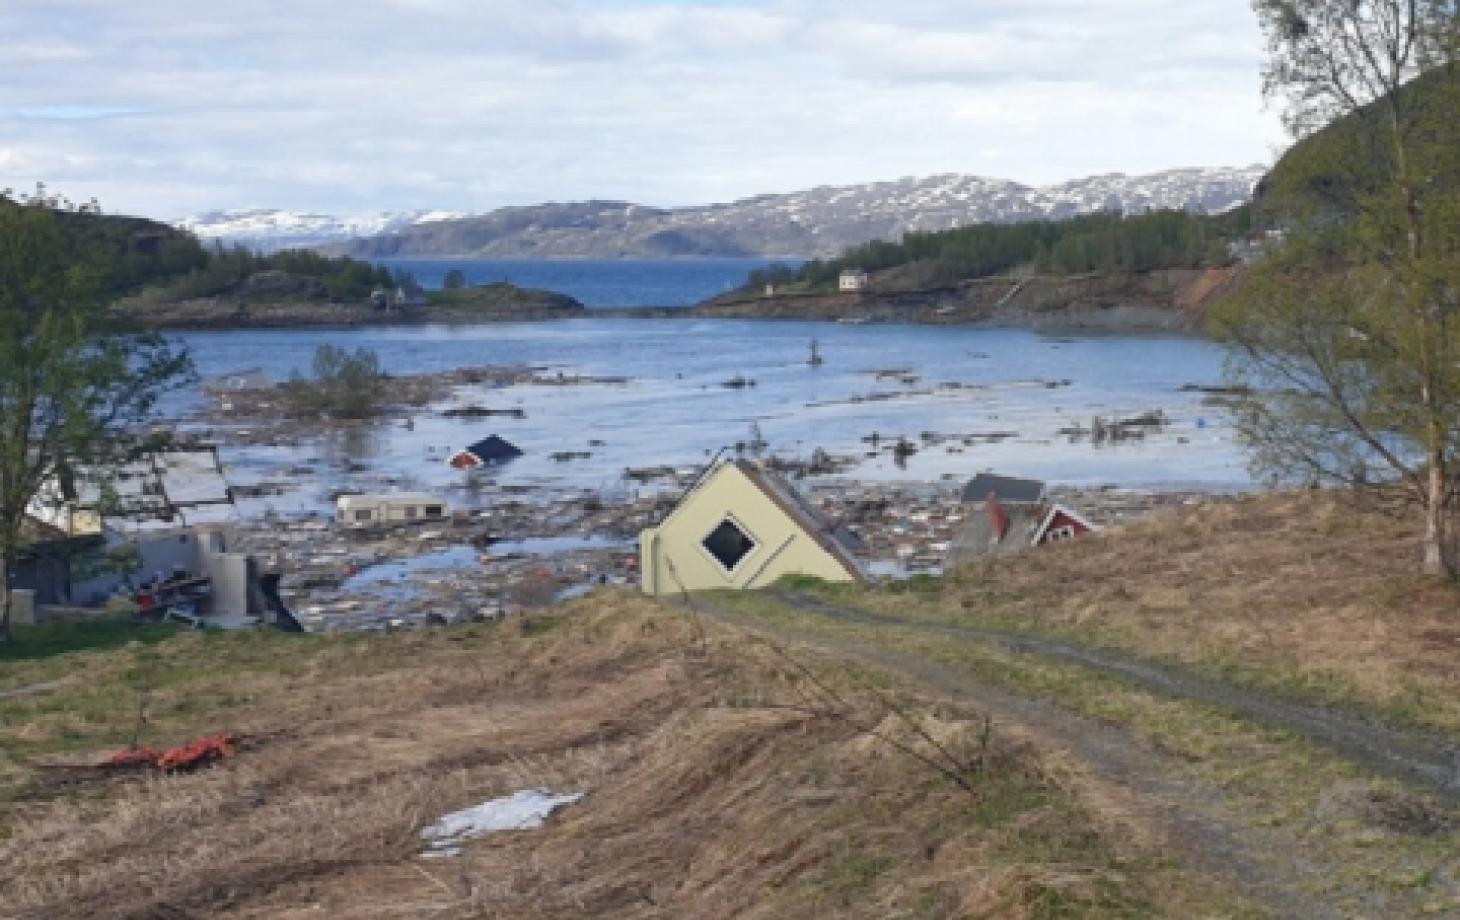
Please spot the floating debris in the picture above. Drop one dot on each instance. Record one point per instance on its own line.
(482, 412)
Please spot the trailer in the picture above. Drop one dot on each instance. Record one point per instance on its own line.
(389, 510)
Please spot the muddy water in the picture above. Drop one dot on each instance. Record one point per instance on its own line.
(1001, 397)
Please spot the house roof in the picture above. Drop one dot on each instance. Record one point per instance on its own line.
(839, 542)
(1054, 512)
(494, 448)
(168, 489)
(975, 539)
(1011, 491)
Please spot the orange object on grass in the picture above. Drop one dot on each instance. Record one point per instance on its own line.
(190, 756)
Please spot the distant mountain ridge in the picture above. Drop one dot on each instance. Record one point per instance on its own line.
(819, 222)
(272, 229)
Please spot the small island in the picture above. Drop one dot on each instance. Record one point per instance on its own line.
(157, 277)
(234, 290)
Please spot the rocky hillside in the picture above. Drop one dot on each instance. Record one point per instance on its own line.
(818, 222)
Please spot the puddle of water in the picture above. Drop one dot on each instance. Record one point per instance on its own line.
(555, 546)
(385, 576)
(455, 557)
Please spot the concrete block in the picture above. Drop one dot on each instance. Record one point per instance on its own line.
(22, 607)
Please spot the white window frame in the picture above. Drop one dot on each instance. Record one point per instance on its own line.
(720, 566)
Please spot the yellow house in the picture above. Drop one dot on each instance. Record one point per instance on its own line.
(742, 527)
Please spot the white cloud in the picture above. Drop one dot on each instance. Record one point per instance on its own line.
(174, 105)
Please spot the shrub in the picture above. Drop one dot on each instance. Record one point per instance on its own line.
(345, 385)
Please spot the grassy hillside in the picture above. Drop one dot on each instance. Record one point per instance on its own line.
(1330, 174)
(723, 778)
(758, 756)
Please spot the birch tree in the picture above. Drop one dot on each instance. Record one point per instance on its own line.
(1348, 331)
(74, 390)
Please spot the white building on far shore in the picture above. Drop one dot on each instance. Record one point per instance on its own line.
(854, 279)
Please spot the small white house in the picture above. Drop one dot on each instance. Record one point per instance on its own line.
(411, 294)
(855, 279)
(389, 510)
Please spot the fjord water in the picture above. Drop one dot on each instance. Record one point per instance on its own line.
(674, 409)
(597, 282)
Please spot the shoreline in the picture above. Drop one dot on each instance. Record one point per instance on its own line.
(1163, 301)
(1117, 320)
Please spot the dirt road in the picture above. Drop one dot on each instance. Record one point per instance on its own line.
(1209, 824)
(1425, 759)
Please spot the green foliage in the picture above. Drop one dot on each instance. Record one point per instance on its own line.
(46, 640)
(345, 385)
(1349, 336)
(225, 271)
(772, 274)
(124, 253)
(75, 389)
(130, 256)
(120, 559)
(1094, 242)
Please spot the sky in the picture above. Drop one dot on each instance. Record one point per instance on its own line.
(170, 107)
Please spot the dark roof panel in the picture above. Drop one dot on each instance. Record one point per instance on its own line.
(494, 449)
(1010, 491)
(837, 540)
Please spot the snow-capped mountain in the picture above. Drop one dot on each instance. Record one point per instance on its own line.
(270, 229)
(817, 222)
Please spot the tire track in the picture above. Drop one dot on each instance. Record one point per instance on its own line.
(1425, 759)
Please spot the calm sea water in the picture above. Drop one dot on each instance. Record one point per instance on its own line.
(675, 410)
(598, 282)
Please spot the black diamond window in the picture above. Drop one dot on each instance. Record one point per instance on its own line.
(729, 544)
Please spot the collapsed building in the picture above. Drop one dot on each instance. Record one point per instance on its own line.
(1009, 515)
(154, 531)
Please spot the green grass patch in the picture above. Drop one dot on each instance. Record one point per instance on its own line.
(46, 640)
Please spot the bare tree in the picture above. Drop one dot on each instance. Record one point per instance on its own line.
(1347, 334)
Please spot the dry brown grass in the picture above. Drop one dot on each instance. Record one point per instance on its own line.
(719, 784)
(1318, 591)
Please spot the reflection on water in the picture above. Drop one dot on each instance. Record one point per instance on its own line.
(339, 447)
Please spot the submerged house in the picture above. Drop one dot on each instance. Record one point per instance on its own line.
(1008, 515)
(742, 527)
(489, 451)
